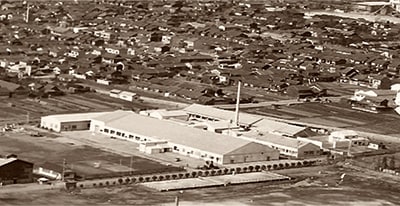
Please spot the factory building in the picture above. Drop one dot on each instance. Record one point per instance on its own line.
(68, 122)
(13, 171)
(164, 136)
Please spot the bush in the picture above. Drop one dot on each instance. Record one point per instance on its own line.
(213, 172)
(264, 167)
(100, 184)
(194, 174)
(226, 170)
(81, 186)
(251, 168)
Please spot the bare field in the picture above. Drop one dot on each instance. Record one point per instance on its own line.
(14, 110)
(356, 189)
(87, 161)
(336, 115)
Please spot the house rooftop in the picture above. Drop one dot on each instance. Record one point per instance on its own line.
(76, 116)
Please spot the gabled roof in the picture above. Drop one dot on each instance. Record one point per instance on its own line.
(9, 85)
(244, 118)
(172, 132)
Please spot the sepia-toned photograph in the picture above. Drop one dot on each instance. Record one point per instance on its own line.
(200, 102)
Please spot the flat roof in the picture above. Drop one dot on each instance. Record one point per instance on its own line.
(76, 117)
(275, 139)
(172, 132)
(267, 125)
(374, 3)
(212, 112)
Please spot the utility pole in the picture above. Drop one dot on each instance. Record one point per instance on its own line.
(63, 169)
(130, 165)
(237, 104)
(27, 117)
(27, 13)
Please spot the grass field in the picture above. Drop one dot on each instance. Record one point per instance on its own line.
(87, 161)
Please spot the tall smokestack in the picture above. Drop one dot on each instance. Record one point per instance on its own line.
(237, 105)
(27, 13)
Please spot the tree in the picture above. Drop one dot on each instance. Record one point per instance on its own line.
(141, 179)
(120, 181)
(194, 174)
(133, 180)
(181, 175)
(274, 166)
(174, 176)
(161, 177)
(287, 165)
(251, 168)
(384, 164)
(127, 180)
(226, 170)
(154, 178)
(264, 167)
(245, 169)
(206, 173)
(257, 168)
(299, 164)
(167, 177)
(200, 173)
(238, 169)
(147, 179)
(269, 167)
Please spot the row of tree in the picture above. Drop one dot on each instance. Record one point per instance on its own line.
(207, 173)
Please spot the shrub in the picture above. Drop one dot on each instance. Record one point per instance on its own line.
(100, 184)
(94, 184)
(81, 186)
(238, 169)
(251, 168)
(264, 167)
(114, 182)
(194, 174)
(213, 172)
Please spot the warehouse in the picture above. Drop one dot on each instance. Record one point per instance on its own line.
(285, 145)
(13, 171)
(181, 139)
(68, 122)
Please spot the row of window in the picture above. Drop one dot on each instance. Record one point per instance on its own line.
(121, 134)
(191, 152)
(284, 150)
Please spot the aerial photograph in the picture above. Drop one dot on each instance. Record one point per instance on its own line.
(200, 102)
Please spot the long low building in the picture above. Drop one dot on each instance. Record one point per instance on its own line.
(197, 143)
(165, 136)
(68, 122)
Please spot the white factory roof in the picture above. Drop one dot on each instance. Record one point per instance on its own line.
(272, 126)
(212, 112)
(275, 139)
(172, 132)
(74, 117)
(374, 3)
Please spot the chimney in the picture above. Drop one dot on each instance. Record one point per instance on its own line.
(237, 105)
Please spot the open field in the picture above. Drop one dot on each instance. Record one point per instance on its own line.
(335, 115)
(14, 110)
(357, 189)
(87, 161)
